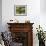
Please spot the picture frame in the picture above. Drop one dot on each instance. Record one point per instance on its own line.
(20, 10)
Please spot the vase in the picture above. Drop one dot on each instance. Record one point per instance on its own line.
(41, 43)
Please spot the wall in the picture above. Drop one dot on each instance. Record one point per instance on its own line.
(43, 6)
(43, 14)
(33, 11)
(0, 15)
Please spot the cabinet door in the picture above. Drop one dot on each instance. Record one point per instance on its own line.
(20, 37)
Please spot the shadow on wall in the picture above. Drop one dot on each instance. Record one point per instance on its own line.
(43, 6)
(0, 15)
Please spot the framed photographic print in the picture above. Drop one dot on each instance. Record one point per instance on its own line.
(20, 10)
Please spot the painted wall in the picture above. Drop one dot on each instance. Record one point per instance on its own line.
(0, 15)
(34, 14)
(43, 14)
(43, 6)
(33, 11)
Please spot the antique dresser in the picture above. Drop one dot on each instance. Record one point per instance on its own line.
(22, 33)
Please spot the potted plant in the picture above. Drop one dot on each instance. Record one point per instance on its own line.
(41, 36)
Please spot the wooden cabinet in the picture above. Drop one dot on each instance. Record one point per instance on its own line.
(22, 33)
